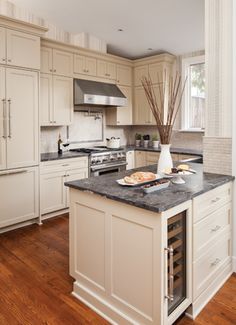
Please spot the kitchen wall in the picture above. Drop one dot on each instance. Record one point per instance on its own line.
(49, 135)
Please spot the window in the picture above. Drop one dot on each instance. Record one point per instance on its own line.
(193, 108)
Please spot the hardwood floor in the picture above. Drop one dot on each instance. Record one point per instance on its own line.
(35, 285)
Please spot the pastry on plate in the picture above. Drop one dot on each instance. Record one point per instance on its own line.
(139, 177)
(183, 167)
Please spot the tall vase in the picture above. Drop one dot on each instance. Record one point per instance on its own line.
(165, 160)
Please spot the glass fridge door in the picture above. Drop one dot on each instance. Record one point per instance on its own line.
(176, 261)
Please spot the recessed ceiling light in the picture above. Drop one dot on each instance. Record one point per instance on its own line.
(120, 30)
(150, 49)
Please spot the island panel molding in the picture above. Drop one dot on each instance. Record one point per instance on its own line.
(130, 242)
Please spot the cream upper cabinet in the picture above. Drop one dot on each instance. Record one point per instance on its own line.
(106, 69)
(2, 45)
(22, 112)
(156, 72)
(63, 100)
(56, 100)
(85, 65)
(142, 113)
(46, 60)
(57, 62)
(46, 99)
(121, 115)
(3, 120)
(19, 196)
(139, 73)
(124, 75)
(23, 50)
(62, 63)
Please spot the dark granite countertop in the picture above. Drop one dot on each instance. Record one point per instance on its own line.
(158, 201)
(71, 154)
(173, 150)
(65, 155)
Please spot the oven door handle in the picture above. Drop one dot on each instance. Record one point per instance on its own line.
(102, 167)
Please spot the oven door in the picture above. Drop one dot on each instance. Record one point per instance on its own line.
(106, 169)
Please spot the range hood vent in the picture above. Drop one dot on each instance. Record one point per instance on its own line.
(93, 93)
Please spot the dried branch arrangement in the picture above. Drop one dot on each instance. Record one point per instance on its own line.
(169, 93)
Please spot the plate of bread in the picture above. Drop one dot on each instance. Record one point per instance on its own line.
(138, 178)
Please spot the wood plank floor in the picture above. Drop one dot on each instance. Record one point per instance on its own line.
(35, 285)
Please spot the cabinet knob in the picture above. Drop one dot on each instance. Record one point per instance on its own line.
(84, 70)
(55, 122)
(118, 122)
(54, 70)
(9, 60)
(4, 60)
(50, 70)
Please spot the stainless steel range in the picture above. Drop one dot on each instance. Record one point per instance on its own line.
(104, 161)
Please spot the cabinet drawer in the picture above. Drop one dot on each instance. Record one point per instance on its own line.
(208, 230)
(208, 266)
(209, 202)
(64, 164)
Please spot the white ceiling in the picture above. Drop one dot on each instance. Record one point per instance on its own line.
(175, 26)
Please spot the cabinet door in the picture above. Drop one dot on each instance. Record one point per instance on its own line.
(73, 175)
(46, 60)
(22, 108)
(91, 66)
(52, 192)
(23, 50)
(141, 107)
(2, 45)
(140, 72)
(156, 72)
(124, 75)
(62, 100)
(19, 196)
(3, 126)
(111, 70)
(79, 64)
(140, 159)
(46, 102)
(63, 63)
(85, 65)
(124, 114)
(102, 69)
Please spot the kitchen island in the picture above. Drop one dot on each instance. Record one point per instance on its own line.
(145, 258)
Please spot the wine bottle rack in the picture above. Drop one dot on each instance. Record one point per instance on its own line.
(176, 265)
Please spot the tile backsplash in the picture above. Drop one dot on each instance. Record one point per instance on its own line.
(82, 132)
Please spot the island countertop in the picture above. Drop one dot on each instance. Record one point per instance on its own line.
(159, 201)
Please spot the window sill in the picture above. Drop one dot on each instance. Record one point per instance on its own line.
(192, 131)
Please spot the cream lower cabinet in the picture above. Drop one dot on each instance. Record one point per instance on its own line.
(56, 100)
(140, 159)
(19, 196)
(121, 115)
(119, 256)
(19, 118)
(54, 196)
(212, 242)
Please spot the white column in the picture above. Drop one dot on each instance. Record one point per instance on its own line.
(218, 45)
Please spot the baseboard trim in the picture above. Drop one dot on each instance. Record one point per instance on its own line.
(234, 263)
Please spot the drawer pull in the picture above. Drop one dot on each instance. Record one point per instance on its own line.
(65, 165)
(215, 200)
(216, 261)
(216, 228)
(170, 251)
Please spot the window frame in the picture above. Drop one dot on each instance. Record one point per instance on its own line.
(185, 111)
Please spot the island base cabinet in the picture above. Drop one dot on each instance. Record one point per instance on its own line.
(19, 196)
(118, 260)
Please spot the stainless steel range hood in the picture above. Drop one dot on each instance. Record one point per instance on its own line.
(93, 93)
